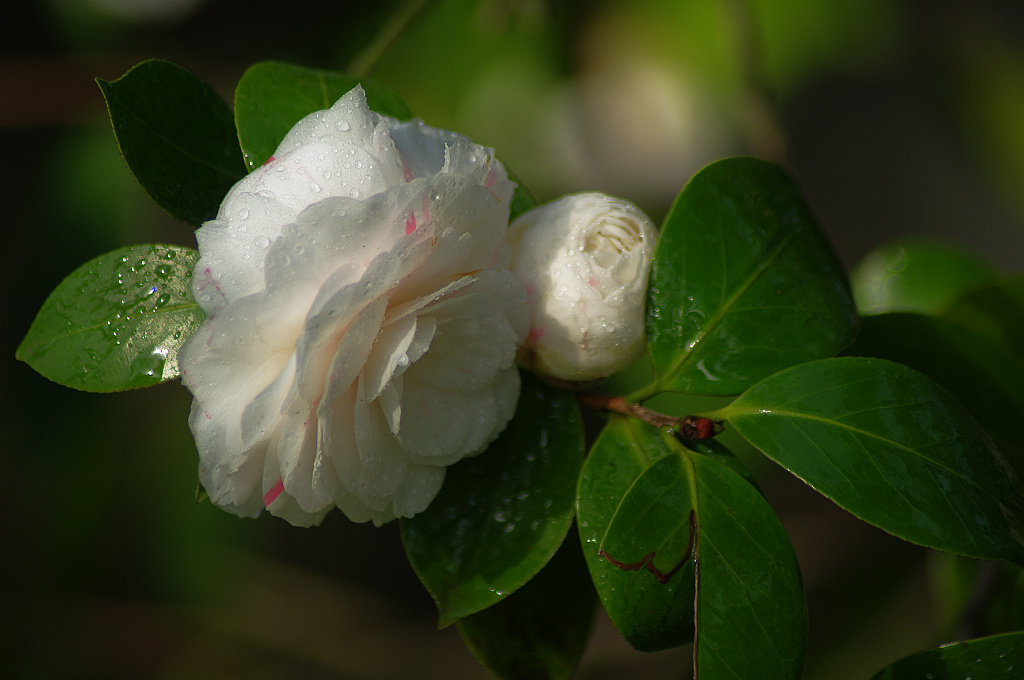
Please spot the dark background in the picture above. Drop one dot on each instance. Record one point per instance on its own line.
(897, 118)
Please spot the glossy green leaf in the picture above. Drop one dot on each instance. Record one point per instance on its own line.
(650, 615)
(712, 448)
(996, 311)
(117, 322)
(501, 515)
(892, 447)
(271, 97)
(177, 137)
(541, 630)
(916, 275)
(980, 373)
(750, 612)
(999, 657)
(743, 283)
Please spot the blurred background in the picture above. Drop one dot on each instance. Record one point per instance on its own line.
(897, 117)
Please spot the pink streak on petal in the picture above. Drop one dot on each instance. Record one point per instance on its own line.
(407, 172)
(494, 258)
(275, 491)
(426, 208)
(592, 282)
(492, 178)
(538, 333)
(269, 161)
(410, 224)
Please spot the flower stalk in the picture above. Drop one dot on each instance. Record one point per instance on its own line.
(686, 428)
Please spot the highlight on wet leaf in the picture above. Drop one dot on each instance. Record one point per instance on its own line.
(997, 657)
(743, 283)
(117, 322)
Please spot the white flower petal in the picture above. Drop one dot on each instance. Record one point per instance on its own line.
(361, 321)
(585, 261)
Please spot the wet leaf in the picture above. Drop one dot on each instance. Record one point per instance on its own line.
(991, 658)
(892, 447)
(743, 283)
(984, 378)
(690, 518)
(117, 322)
(650, 615)
(501, 515)
(177, 137)
(541, 630)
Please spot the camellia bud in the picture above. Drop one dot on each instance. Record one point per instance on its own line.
(585, 260)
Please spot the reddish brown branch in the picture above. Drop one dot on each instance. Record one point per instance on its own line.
(686, 428)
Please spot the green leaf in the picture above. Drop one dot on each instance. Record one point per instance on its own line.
(177, 137)
(916, 275)
(751, 616)
(743, 283)
(712, 448)
(892, 447)
(271, 97)
(996, 310)
(116, 322)
(982, 376)
(751, 610)
(501, 515)
(522, 199)
(541, 630)
(991, 658)
(651, 616)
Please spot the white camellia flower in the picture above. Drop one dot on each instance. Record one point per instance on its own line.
(585, 260)
(362, 322)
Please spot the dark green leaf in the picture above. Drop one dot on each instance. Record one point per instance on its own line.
(712, 448)
(541, 630)
(743, 283)
(271, 97)
(892, 447)
(654, 526)
(996, 311)
(751, 611)
(501, 515)
(650, 615)
(177, 137)
(982, 376)
(116, 322)
(751, 617)
(916, 275)
(999, 657)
